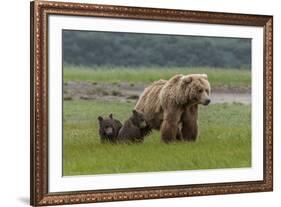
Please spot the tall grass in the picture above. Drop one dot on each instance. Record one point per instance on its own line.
(217, 76)
(224, 142)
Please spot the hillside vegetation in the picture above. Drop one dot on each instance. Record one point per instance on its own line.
(150, 50)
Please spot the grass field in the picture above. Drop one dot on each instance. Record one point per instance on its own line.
(217, 77)
(221, 144)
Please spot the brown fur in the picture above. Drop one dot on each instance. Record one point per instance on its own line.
(189, 123)
(172, 106)
(134, 129)
(109, 128)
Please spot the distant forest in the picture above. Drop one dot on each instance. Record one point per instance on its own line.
(149, 50)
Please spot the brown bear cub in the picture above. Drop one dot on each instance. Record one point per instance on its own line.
(109, 129)
(134, 129)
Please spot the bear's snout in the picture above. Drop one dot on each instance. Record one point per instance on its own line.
(143, 124)
(109, 130)
(207, 101)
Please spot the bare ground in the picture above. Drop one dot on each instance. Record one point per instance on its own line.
(126, 92)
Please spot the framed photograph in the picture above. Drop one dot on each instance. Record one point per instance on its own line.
(131, 103)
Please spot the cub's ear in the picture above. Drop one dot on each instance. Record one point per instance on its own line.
(135, 112)
(204, 76)
(186, 79)
(111, 116)
(100, 118)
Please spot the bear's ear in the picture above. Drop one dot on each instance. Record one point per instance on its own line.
(204, 76)
(187, 79)
(111, 116)
(100, 118)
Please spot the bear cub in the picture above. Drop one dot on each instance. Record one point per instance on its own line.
(134, 129)
(109, 128)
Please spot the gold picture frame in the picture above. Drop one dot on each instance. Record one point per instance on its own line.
(40, 10)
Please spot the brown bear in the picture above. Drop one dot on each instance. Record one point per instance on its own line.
(171, 106)
(109, 128)
(134, 129)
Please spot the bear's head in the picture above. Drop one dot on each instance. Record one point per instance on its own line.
(106, 125)
(138, 119)
(196, 88)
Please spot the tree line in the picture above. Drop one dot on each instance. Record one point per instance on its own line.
(149, 50)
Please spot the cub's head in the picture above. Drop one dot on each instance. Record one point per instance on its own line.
(138, 119)
(196, 88)
(106, 125)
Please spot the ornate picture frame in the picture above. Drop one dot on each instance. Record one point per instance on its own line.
(39, 178)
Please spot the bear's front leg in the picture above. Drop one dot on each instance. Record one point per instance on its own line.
(189, 123)
(169, 127)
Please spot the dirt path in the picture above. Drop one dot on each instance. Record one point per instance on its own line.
(244, 98)
(126, 92)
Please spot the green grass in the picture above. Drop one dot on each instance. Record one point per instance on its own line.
(224, 142)
(217, 77)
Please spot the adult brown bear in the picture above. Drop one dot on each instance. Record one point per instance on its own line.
(171, 106)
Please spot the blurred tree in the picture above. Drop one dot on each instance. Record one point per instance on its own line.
(131, 49)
